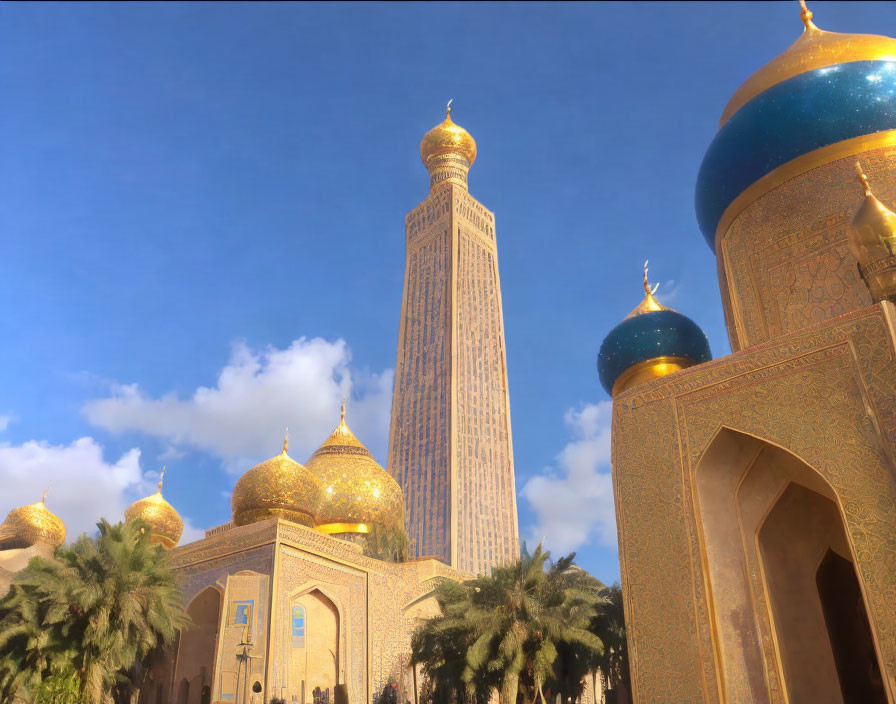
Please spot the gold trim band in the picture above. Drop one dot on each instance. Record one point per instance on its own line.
(795, 167)
(649, 369)
(332, 528)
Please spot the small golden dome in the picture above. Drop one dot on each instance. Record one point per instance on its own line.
(165, 524)
(357, 492)
(279, 487)
(814, 49)
(873, 232)
(35, 523)
(448, 138)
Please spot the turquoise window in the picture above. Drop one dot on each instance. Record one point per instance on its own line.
(298, 626)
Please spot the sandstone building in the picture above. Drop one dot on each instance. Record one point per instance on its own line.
(756, 493)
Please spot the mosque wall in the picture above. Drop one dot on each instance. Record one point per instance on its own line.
(14, 559)
(827, 395)
(783, 260)
(236, 565)
(325, 612)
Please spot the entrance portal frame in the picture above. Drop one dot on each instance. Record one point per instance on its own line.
(826, 395)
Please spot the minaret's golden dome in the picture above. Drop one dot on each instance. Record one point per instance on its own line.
(165, 524)
(448, 138)
(28, 525)
(814, 49)
(279, 487)
(357, 492)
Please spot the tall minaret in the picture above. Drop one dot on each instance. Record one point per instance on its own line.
(449, 444)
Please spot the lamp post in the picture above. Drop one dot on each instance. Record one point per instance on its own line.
(244, 659)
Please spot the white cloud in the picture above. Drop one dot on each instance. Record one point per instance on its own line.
(668, 292)
(258, 393)
(5, 421)
(573, 499)
(84, 487)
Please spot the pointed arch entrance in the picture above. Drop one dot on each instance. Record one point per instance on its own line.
(194, 668)
(314, 654)
(784, 634)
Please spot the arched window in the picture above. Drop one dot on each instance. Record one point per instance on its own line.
(298, 626)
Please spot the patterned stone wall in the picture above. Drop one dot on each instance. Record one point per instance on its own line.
(379, 604)
(238, 563)
(486, 521)
(420, 432)
(826, 394)
(450, 443)
(784, 263)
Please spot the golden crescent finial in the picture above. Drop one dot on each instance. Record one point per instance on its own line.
(286, 441)
(161, 479)
(448, 109)
(43, 499)
(806, 16)
(342, 411)
(864, 179)
(647, 289)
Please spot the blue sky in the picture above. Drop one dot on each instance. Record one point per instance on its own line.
(202, 226)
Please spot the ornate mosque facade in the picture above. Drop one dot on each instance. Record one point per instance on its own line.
(756, 493)
(305, 594)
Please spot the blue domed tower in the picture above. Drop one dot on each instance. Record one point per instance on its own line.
(775, 194)
(651, 342)
(756, 496)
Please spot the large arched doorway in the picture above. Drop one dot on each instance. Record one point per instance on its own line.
(768, 523)
(314, 649)
(196, 649)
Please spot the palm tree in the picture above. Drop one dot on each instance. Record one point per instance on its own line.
(101, 607)
(609, 626)
(441, 643)
(511, 627)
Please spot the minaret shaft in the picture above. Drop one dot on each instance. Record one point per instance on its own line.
(450, 442)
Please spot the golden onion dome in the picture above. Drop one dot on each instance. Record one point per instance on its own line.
(28, 525)
(873, 233)
(357, 492)
(165, 524)
(814, 49)
(279, 487)
(448, 138)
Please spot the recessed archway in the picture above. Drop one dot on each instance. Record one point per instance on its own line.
(196, 649)
(766, 521)
(313, 648)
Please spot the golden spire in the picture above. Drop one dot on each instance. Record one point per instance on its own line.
(161, 479)
(448, 109)
(342, 410)
(286, 441)
(806, 17)
(649, 304)
(43, 499)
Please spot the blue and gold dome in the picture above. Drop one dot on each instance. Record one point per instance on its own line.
(829, 95)
(651, 342)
